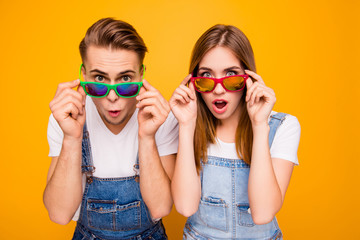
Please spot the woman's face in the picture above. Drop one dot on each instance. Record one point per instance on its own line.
(217, 63)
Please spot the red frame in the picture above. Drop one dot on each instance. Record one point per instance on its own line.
(220, 80)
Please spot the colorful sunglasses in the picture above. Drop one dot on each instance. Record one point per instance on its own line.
(230, 83)
(99, 90)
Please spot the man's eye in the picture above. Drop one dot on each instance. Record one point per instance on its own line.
(126, 78)
(99, 78)
(231, 73)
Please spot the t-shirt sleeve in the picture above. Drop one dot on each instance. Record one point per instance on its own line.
(55, 137)
(286, 140)
(167, 137)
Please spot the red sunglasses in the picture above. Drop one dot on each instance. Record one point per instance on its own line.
(230, 83)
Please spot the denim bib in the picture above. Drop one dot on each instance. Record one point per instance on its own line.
(224, 211)
(112, 208)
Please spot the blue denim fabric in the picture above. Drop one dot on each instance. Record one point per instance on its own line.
(112, 208)
(224, 211)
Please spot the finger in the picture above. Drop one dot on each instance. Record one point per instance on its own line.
(258, 96)
(185, 92)
(68, 99)
(69, 95)
(190, 93)
(178, 98)
(186, 80)
(249, 85)
(146, 102)
(193, 91)
(153, 102)
(80, 90)
(151, 110)
(148, 86)
(71, 111)
(255, 76)
(66, 85)
(252, 91)
(154, 94)
(257, 90)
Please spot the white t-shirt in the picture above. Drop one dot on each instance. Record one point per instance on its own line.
(115, 155)
(284, 146)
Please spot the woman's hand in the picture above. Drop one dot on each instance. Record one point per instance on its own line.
(260, 99)
(183, 102)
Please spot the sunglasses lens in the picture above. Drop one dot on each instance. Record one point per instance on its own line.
(127, 90)
(96, 90)
(234, 83)
(204, 84)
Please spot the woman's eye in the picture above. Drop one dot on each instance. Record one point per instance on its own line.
(99, 78)
(206, 74)
(231, 73)
(126, 78)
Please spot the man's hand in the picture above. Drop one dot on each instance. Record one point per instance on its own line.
(68, 108)
(153, 110)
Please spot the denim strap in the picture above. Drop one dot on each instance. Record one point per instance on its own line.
(275, 122)
(137, 167)
(87, 165)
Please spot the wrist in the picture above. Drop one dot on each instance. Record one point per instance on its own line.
(187, 126)
(71, 140)
(260, 127)
(146, 137)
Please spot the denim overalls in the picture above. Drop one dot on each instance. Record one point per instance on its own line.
(112, 208)
(224, 211)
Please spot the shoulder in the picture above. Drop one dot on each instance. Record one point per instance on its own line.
(287, 121)
(286, 139)
(170, 123)
(167, 136)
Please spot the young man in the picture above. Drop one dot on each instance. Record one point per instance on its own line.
(101, 143)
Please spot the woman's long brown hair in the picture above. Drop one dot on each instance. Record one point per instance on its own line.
(205, 132)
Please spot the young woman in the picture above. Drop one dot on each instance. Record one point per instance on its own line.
(232, 170)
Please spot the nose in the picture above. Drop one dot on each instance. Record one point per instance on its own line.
(112, 96)
(219, 89)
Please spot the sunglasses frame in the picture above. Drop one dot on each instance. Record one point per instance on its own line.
(111, 86)
(221, 81)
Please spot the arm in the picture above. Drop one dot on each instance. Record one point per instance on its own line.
(155, 171)
(154, 179)
(186, 185)
(63, 191)
(268, 178)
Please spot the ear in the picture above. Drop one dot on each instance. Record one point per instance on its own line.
(142, 71)
(82, 72)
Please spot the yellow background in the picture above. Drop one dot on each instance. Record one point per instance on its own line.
(307, 51)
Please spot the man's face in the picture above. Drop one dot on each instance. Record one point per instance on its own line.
(113, 66)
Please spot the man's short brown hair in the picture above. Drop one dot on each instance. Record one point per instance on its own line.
(116, 34)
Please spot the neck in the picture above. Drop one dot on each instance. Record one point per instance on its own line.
(226, 130)
(116, 128)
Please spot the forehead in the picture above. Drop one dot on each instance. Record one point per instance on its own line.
(219, 58)
(107, 59)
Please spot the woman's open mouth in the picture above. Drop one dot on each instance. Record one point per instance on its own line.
(220, 105)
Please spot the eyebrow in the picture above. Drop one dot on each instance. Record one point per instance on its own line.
(226, 69)
(105, 74)
(232, 68)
